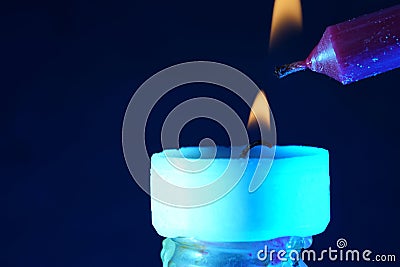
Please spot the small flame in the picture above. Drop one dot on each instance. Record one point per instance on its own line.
(260, 112)
(287, 15)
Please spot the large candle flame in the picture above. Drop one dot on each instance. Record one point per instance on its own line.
(287, 16)
(260, 112)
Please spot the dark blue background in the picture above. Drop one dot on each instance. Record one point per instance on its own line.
(69, 69)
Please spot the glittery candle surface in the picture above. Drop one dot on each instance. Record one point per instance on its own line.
(359, 48)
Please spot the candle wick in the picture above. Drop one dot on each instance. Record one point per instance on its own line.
(287, 69)
(246, 150)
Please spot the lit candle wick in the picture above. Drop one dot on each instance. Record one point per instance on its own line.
(254, 144)
(287, 69)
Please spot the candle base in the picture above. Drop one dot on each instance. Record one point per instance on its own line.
(183, 252)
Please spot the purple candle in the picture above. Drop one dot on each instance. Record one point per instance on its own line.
(355, 49)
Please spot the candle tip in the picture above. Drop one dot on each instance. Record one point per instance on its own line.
(287, 69)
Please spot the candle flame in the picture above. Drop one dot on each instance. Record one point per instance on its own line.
(260, 112)
(286, 16)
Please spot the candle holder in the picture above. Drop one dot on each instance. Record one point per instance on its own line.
(182, 252)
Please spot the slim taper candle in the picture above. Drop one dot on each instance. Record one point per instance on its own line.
(356, 49)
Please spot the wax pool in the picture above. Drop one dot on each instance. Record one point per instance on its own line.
(355, 49)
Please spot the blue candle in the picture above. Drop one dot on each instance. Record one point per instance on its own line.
(293, 201)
